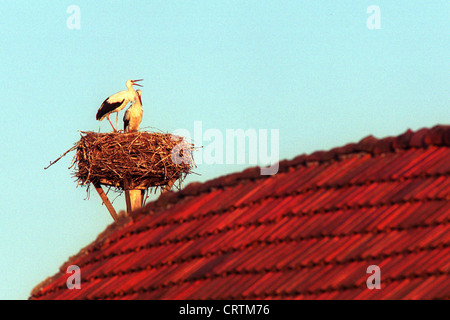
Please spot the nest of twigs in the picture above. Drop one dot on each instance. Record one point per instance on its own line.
(137, 160)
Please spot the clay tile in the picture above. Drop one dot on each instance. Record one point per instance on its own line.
(316, 156)
(214, 183)
(402, 141)
(330, 155)
(366, 144)
(229, 179)
(250, 173)
(348, 148)
(383, 146)
(339, 151)
(417, 138)
(435, 136)
(446, 136)
(285, 165)
(191, 189)
(298, 160)
(166, 198)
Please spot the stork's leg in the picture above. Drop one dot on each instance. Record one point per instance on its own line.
(111, 123)
(117, 120)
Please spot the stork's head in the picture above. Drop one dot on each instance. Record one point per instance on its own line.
(131, 83)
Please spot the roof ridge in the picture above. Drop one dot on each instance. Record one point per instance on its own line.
(295, 193)
(438, 135)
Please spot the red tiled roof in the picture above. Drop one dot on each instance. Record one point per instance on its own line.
(308, 232)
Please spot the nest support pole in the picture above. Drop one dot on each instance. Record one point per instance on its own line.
(133, 197)
(169, 185)
(106, 201)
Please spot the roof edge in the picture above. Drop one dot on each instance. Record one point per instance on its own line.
(98, 242)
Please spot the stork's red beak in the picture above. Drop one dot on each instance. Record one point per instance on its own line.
(137, 84)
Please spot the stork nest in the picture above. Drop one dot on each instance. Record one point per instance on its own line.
(136, 160)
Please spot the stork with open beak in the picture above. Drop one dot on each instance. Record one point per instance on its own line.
(117, 102)
(133, 116)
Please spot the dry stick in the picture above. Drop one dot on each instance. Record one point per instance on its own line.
(106, 201)
(52, 163)
(134, 140)
(169, 186)
(119, 194)
(146, 197)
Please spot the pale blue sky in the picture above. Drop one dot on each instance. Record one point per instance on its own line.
(311, 69)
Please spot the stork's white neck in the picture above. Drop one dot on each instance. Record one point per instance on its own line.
(129, 85)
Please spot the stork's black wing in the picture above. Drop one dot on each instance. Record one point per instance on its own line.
(126, 121)
(107, 108)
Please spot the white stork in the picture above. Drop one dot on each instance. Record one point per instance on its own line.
(117, 102)
(133, 116)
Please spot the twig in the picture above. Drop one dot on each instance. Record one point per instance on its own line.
(52, 163)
